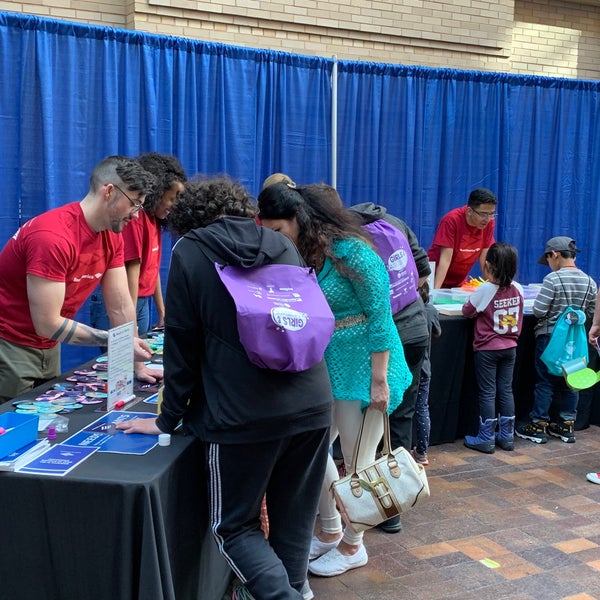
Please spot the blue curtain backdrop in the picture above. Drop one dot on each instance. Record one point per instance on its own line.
(418, 140)
(72, 94)
(414, 139)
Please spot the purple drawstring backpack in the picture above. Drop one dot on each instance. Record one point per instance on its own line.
(283, 318)
(393, 247)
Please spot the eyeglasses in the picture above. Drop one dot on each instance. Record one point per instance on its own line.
(135, 206)
(485, 215)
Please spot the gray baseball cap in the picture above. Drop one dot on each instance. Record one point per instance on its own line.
(562, 243)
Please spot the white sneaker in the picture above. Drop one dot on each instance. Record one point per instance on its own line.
(335, 563)
(318, 548)
(593, 477)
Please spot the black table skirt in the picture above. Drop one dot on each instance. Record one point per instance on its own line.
(117, 527)
(453, 405)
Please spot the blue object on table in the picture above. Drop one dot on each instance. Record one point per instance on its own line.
(20, 430)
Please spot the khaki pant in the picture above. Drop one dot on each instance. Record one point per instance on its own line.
(23, 368)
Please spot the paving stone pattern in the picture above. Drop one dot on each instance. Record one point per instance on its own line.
(522, 525)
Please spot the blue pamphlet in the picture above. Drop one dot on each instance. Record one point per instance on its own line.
(103, 435)
(58, 460)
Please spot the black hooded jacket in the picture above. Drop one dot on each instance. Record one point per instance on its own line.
(209, 381)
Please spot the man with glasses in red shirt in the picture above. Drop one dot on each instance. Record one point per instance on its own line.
(52, 264)
(463, 236)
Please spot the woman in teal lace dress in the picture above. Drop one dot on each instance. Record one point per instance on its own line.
(365, 358)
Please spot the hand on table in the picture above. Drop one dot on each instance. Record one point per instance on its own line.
(146, 374)
(139, 426)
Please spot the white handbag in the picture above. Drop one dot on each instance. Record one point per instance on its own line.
(386, 488)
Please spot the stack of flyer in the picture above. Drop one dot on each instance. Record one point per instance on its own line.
(23, 455)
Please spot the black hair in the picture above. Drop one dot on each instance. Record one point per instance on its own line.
(321, 216)
(501, 262)
(567, 253)
(122, 170)
(481, 196)
(167, 170)
(205, 199)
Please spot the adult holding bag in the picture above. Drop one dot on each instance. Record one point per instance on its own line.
(265, 431)
(566, 286)
(365, 358)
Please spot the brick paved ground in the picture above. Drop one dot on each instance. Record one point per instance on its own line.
(522, 525)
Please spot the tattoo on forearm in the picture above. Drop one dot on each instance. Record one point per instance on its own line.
(80, 334)
(67, 338)
(94, 337)
(60, 330)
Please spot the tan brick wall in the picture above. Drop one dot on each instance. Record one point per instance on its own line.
(544, 37)
(559, 39)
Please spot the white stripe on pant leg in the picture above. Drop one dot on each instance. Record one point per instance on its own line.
(216, 503)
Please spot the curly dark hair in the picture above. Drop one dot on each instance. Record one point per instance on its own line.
(322, 219)
(167, 170)
(205, 199)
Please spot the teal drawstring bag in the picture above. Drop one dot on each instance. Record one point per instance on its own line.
(568, 341)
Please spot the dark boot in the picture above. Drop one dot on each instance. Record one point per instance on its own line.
(393, 525)
(505, 436)
(484, 441)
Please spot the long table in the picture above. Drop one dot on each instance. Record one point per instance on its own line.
(116, 527)
(453, 404)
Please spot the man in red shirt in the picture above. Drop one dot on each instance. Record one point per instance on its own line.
(52, 264)
(463, 236)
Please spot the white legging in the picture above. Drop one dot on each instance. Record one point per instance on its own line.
(347, 418)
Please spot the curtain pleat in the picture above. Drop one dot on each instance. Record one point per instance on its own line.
(414, 139)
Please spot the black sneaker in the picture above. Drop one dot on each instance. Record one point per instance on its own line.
(565, 430)
(534, 431)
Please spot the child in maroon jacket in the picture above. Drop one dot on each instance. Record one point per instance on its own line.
(497, 306)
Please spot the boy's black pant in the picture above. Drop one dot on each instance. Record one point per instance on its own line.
(290, 471)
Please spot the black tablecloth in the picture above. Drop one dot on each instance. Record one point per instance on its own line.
(116, 527)
(453, 405)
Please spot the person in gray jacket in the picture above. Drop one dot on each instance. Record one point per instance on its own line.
(411, 322)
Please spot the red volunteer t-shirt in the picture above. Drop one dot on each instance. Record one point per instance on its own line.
(142, 239)
(58, 245)
(466, 242)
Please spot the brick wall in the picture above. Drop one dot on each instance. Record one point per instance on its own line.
(559, 39)
(545, 37)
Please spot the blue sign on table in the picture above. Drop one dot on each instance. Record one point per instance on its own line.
(103, 434)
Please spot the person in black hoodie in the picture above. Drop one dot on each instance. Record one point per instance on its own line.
(265, 431)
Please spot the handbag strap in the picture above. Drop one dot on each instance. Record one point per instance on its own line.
(387, 443)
